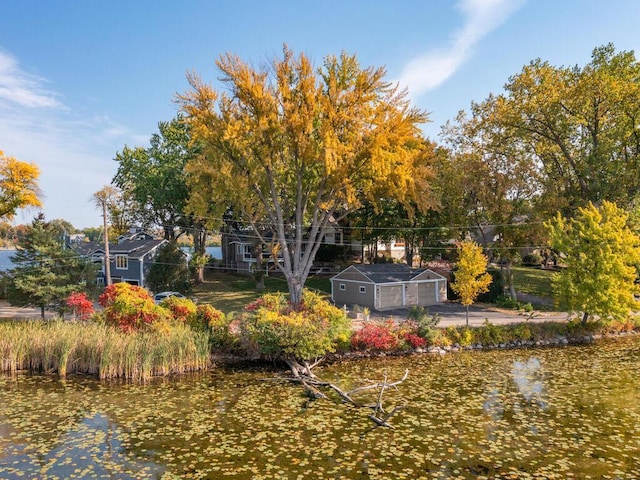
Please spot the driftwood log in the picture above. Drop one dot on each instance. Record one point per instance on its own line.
(380, 417)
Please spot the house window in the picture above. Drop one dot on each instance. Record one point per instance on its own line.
(363, 289)
(122, 262)
(343, 287)
(338, 238)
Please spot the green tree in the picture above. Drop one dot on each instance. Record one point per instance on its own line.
(302, 147)
(156, 181)
(471, 277)
(492, 187)
(63, 227)
(45, 272)
(601, 253)
(579, 125)
(169, 270)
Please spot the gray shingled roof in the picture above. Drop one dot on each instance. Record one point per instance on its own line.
(388, 272)
(131, 248)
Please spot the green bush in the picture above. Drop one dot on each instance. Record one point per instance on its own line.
(489, 334)
(507, 302)
(532, 259)
(272, 328)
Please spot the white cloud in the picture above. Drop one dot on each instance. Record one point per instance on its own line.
(431, 69)
(21, 88)
(74, 150)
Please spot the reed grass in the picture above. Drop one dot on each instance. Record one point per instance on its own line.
(63, 347)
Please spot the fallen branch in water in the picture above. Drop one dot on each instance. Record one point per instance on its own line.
(312, 384)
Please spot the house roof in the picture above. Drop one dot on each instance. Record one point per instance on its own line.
(135, 248)
(132, 248)
(390, 272)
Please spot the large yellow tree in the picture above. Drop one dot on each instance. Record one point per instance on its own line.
(292, 148)
(18, 186)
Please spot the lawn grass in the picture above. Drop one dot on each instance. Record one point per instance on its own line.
(230, 292)
(533, 281)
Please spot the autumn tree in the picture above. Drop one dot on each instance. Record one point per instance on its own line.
(578, 124)
(302, 147)
(492, 186)
(471, 277)
(18, 186)
(601, 254)
(45, 272)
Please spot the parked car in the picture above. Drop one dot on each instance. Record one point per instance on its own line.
(159, 297)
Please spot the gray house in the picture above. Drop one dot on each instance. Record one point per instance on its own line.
(130, 259)
(387, 286)
(239, 253)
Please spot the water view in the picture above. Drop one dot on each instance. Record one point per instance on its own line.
(538, 413)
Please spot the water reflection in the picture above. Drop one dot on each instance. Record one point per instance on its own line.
(89, 449)
(540, 413)
(529, 379)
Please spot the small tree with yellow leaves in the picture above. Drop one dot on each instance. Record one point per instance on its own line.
(471, 277)
(18, 186)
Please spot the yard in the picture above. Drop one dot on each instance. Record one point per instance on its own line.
(533, 281)
(231, 292)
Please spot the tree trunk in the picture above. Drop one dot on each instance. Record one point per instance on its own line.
(200, 249)
(408, 252)
(585, 317)
(259, 273)
(42, 311)
(295, 284)
(467, 315)
(512, 286)
(107, 261)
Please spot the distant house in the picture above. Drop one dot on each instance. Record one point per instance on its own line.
(239, 249)
(387, 286)
(130, 259)
(239, 253)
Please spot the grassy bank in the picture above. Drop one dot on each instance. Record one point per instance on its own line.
(64, 347)
(231, 292)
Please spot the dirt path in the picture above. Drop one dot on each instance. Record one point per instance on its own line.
(8, 311)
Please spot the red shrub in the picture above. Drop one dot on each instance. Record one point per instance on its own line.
(130, 307)
(376, 336)
(80, 305)
(414, 340)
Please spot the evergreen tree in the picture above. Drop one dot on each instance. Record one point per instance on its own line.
(46, 273)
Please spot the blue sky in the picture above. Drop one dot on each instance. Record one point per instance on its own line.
(81, 79)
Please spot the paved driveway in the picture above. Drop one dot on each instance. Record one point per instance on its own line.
(452, 313)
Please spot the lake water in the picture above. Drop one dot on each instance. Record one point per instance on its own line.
(5, 261)
(552, 413)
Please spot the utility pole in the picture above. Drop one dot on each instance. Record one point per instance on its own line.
(107, 262)
(101, 198)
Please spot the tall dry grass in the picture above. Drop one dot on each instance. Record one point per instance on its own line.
(64, 347)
